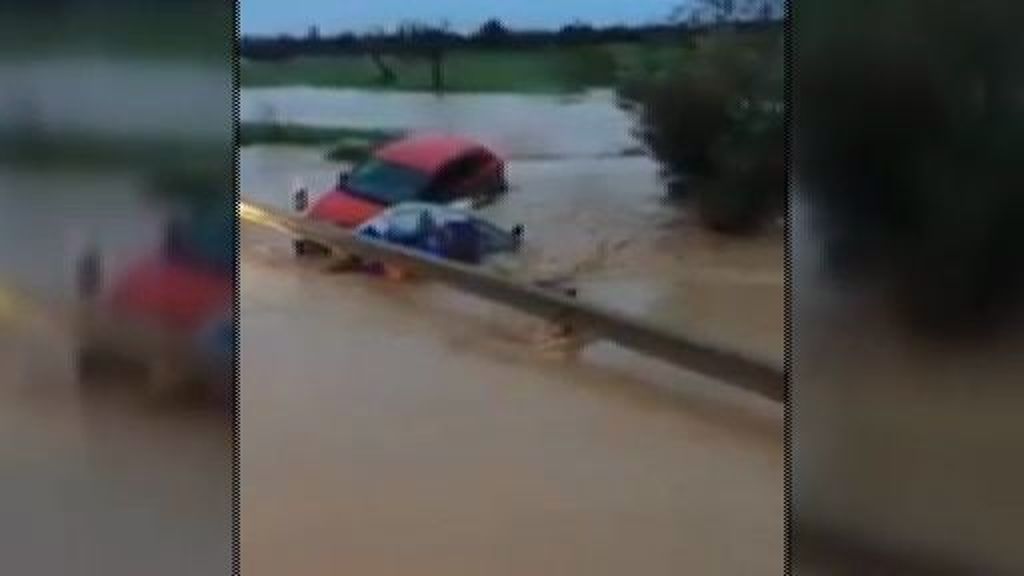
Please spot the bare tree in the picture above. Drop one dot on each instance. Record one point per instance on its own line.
(718, 11)
(722, 10)
(493, 29)
(385, 75)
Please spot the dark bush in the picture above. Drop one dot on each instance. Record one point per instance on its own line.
(715, 122)
(910, 142)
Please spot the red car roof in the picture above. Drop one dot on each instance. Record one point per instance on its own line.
(427, 152)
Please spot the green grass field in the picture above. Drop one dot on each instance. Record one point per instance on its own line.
(85, 151)
(189, 31)
(547, 70)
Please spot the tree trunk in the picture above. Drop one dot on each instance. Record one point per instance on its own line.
(385, 74)
(437, 69)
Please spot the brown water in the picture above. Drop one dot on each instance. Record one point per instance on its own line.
(409, 429)
(98, 482)
(103, 483)
(600, 218)
(605, 224)
(404, 429)
(899, 439)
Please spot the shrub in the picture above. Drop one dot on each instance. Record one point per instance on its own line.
(910, 143)
(715, 123)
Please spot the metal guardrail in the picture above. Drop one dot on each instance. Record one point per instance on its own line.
(731, 367)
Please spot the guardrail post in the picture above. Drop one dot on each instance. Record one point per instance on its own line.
(300, 200)
(89, 273)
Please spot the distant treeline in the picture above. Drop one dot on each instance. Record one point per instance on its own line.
(492, 34)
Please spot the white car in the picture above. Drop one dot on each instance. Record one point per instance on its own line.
(460, 235)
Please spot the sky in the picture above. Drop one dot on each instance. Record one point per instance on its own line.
(263, 17)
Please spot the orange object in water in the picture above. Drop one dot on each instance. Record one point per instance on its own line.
(395, 273)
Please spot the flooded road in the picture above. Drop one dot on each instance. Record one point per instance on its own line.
(406, 429)
(103, 483)
(98, 482)
(606, 225)
(394, 428)
(901, 439)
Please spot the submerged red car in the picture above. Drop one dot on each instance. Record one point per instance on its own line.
(431, 168)
(184, 294)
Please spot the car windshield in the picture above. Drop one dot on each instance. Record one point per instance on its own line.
(386, 182)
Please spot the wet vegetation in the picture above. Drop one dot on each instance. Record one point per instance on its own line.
(909, 147)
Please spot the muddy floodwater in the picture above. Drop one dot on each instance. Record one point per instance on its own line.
(394, 428)
(93, 481)
(408, 429)
(102, 483)
(590, 214)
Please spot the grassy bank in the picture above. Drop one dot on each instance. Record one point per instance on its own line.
(341, 144)
(547, 70)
